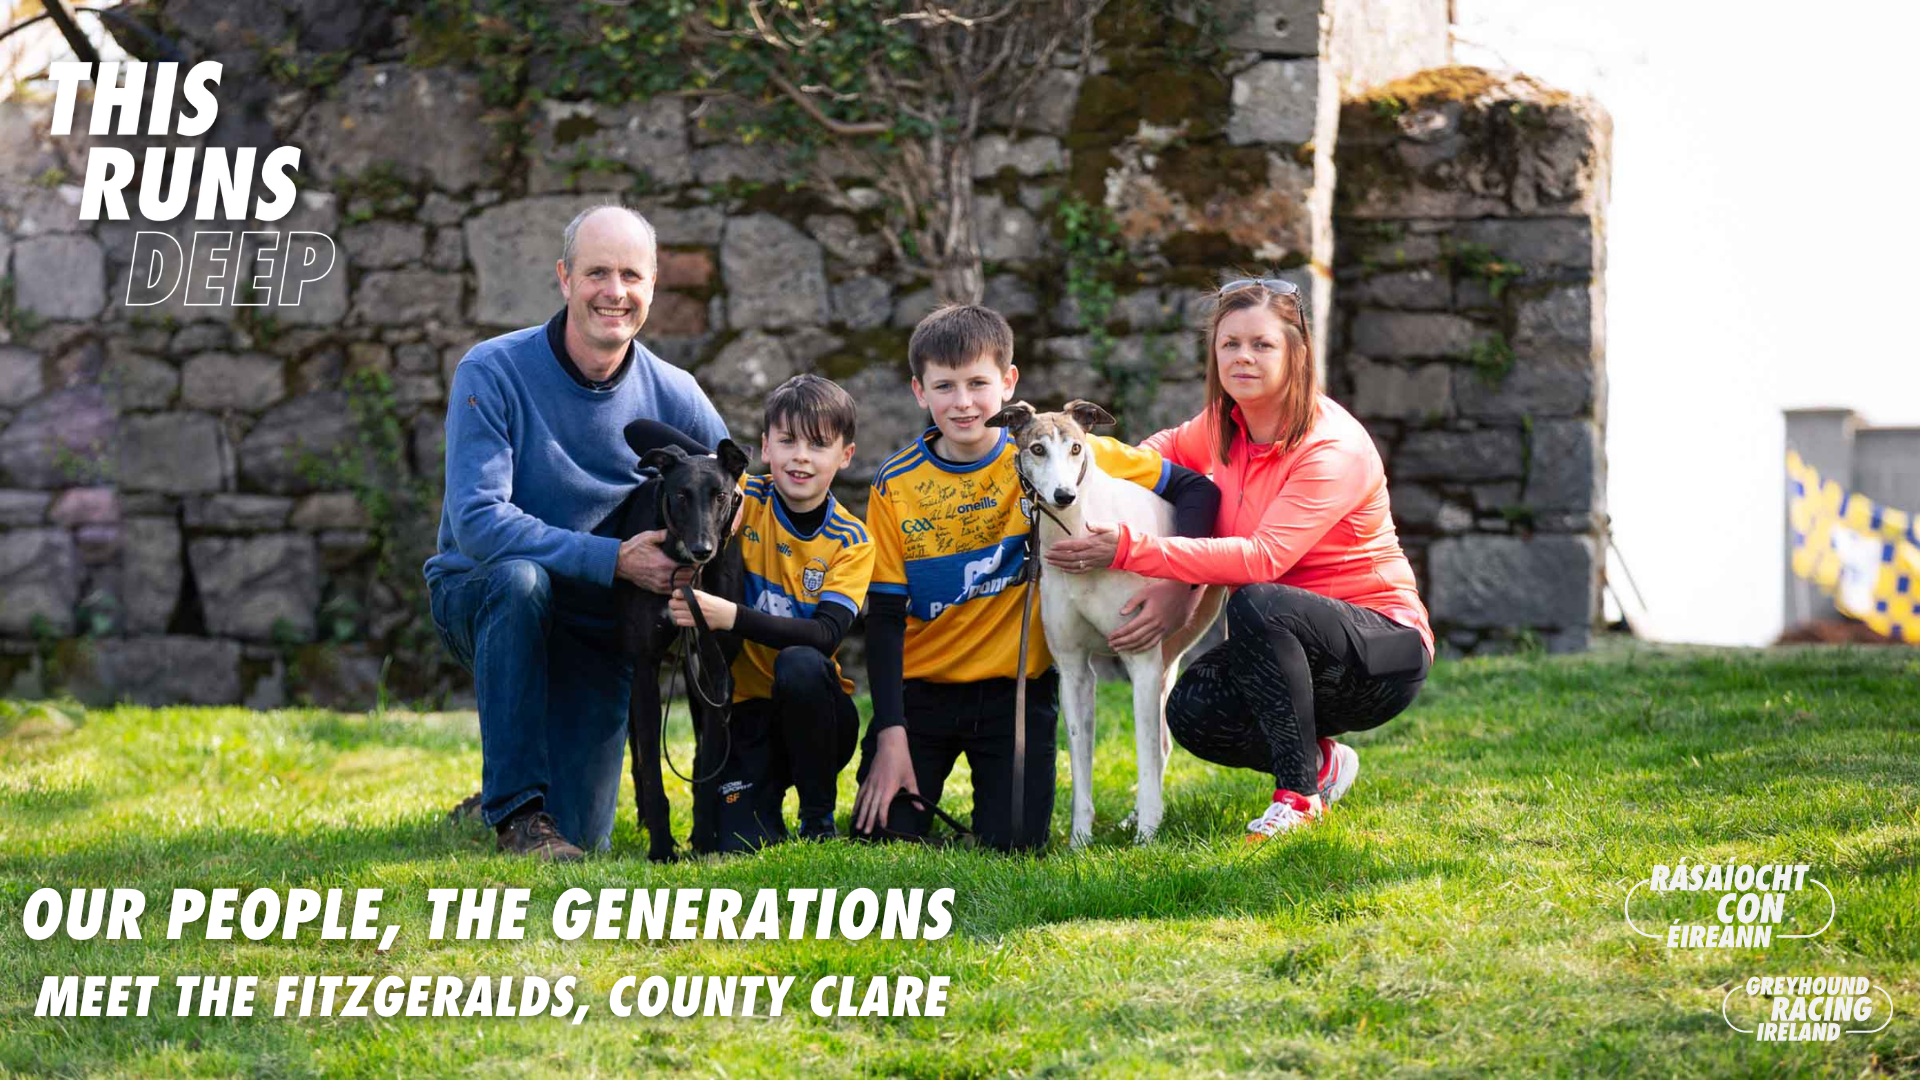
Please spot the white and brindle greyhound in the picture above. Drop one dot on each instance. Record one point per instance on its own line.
(1078, 611)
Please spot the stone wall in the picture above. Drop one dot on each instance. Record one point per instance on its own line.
(1469, 338)
(164, 534)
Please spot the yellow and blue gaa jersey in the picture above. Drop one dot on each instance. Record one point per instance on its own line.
(789, 575)
(952, 540)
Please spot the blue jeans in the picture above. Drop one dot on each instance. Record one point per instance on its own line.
(552, 689)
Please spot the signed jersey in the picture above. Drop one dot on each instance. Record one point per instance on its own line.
(789, 575)
(952, 539)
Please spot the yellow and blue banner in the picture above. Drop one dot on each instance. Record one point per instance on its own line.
(1864, 555)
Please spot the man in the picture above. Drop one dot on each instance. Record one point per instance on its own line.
(522, 584)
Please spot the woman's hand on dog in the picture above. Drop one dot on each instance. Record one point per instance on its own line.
(717, 612)
(1079, 554)
(642, 562)
(1158, 609)
(892, 770)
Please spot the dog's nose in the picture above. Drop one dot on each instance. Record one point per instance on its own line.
(1063, 497)
(700, 553)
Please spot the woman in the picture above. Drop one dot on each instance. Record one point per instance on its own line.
(1326, 633)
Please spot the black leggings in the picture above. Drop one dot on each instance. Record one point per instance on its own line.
(1296, 667)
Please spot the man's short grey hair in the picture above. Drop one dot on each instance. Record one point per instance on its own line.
(571, 236)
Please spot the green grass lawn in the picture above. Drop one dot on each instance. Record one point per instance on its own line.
(1459, 913)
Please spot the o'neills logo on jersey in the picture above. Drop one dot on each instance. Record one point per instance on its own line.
(253, 268)
(1749, 904)
(968, 508)
(1803, 1009)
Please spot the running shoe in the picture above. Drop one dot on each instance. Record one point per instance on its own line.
(1339, 765)
(1289, 810)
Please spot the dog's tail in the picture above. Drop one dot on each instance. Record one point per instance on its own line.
(1175, 645)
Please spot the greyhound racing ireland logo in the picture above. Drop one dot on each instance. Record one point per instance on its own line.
(1749, 904)
(1803, 1009)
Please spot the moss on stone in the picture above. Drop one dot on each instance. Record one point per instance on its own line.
(1463, 83)
(1199, 172)
(1107, 105)
(1170, 96)
(1211, 250)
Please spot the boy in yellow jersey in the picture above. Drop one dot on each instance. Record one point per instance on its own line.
(807, 561)
(943, 634)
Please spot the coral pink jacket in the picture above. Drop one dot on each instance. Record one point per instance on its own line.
(1315, 517)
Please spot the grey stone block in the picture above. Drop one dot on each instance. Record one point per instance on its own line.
(844, 240)
(647, 137)
(381, 245)
(1047, 109)
(1563, 316)
(1504, 581)
(180, 453)
(59, 440)
(1033, 156)
(742, 375)
(40, 577)
(160, 671)
(862, 303)
(1005, 233)
(330, 510)
(1010, 296)
(1544, 383)
(1412, 290)
(134, 382)
(238, 513)
(1271, 26)
(774, 274)
(1275, 101)
(21, 379)
(729, 163)
(1534, 244)
(276, 454)
(63, 277)
(424, 123)
(250, 585)
(1459, 456)
(152, 567)
(1391, 390)
(1567, 466)
(24, 507)
(412, 297)
(1396, 335)
(246, 381)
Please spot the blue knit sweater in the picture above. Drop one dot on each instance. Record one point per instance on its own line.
(537, 463)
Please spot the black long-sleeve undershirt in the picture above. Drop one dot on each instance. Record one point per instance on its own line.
(1196, 505)
(824, 630)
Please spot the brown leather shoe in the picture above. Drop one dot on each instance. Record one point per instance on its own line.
(535, 834)
(469, 809)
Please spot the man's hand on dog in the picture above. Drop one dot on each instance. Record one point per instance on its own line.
(643, 563)
(1158, 609)
(717, 612)
(892, 770)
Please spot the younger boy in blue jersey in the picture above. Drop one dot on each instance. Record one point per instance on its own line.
(807, 561)
(943, 634)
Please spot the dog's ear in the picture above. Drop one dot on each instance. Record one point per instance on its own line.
(1014, 417)
(1087, 414)
(662, 458)
(732, 458)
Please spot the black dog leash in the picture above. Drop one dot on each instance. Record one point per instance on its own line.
(927, 805)
(691, 657)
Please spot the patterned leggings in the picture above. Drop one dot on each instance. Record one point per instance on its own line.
(1296, 666)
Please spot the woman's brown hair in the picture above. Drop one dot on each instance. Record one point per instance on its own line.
(1300, 386)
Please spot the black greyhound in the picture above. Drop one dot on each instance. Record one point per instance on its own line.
(693, 499)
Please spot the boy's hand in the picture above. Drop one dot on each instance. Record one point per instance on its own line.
(892, 770)
(1158, 609)
(642, 562)
(718, 613)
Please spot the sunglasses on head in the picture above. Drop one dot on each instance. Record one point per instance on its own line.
(1286, 288)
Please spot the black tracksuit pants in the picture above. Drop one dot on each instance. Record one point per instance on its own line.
(1296, 667)
(945, 720)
